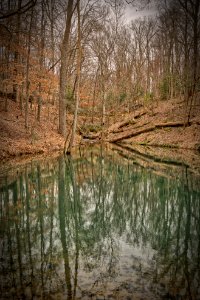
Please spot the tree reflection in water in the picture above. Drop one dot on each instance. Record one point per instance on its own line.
(98, 225)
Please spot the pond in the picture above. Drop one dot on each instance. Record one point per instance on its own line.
(100, 225)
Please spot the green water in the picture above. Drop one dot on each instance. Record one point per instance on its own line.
(99, 226)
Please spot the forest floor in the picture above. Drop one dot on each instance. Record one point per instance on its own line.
(162, 124)
(140, 127)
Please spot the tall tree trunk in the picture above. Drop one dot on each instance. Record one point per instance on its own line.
(103, 121)
(195, 19)
(77, 82)
(53, 42)
(27, 84)
(186, 57)
(195, 40)
(17, 56)
(63, 71)
(148, 67)
(41, 50)
(94, 93)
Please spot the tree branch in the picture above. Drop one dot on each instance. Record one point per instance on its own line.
(20, 10)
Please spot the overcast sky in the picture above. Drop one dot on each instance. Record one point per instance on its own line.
(132, 12)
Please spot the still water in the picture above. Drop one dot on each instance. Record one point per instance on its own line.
(99, 225)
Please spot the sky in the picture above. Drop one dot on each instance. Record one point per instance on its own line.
(132, 12)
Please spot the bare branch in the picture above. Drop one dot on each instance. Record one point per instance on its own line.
(20, 10)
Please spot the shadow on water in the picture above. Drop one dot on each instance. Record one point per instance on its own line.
(99, 226)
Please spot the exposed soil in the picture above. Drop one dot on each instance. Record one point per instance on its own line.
(43, 137)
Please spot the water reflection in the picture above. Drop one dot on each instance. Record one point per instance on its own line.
(98, 227)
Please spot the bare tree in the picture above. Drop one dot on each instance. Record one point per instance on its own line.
(63, 69)
(27, 82)
(78, 77)
(7, 12)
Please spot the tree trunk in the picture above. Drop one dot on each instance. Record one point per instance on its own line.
(78, 82)
(94, 93)
(27, 84)
(195, 54)
(63, 71)
(41, 50)
(17, 55)
(53, 44)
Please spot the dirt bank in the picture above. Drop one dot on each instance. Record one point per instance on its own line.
(39, 137)
(143, 126)
(160, 125)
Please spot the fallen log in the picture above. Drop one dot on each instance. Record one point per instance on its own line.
(132, 133)
(115, 127)
(139, 114)
(128, 121)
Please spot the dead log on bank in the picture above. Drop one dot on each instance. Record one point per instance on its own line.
(132, 133)
(115, 127)
(128, 121)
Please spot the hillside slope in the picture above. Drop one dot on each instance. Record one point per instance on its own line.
(161, 125)
(143, 126)
(41, 137)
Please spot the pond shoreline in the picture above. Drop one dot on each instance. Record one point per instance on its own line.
(158, 159)
(43, 137)
(32, 150)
